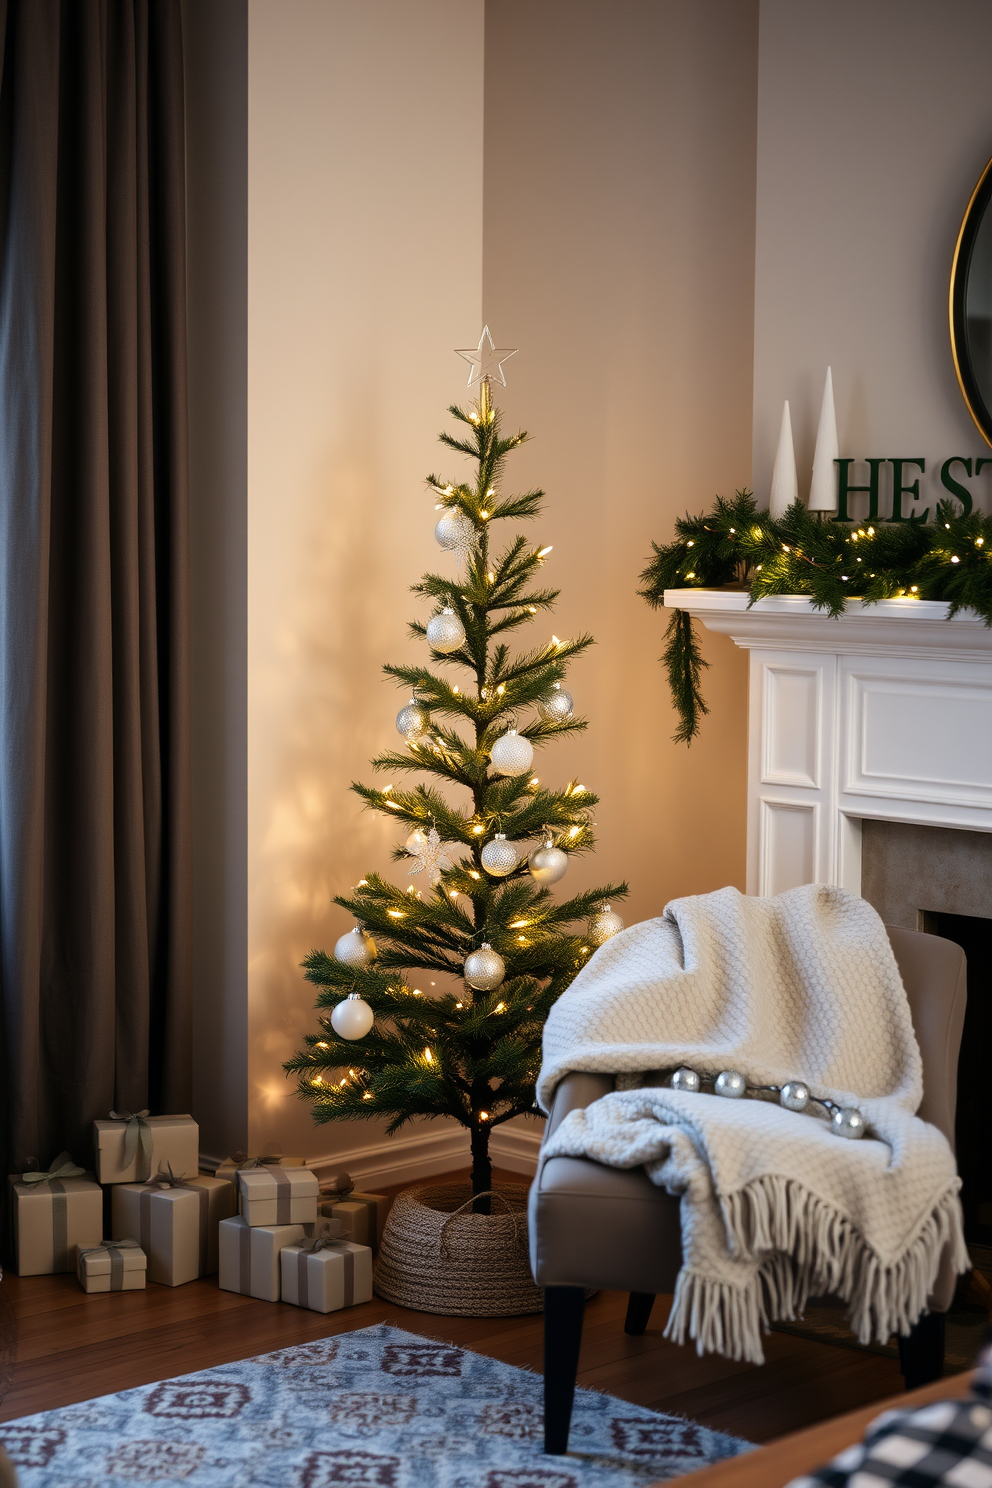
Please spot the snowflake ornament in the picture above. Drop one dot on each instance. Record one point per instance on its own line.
(433, 855)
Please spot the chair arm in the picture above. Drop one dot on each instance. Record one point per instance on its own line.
(576, 1091)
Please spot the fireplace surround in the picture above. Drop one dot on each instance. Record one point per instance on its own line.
(870, 766)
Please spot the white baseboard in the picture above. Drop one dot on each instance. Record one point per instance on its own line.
(398, 1159)
(516, 1148)
(404, 1159)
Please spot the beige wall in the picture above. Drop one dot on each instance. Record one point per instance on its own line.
(618, 255)
(364, 254)
(873, 127)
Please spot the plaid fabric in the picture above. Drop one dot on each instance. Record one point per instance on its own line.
(947, 1443)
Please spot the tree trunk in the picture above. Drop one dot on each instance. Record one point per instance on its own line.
(482, 1169)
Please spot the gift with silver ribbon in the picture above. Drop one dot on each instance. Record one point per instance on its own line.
(325, 1273)
(125, 1271)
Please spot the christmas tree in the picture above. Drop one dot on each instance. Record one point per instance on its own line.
(393, 1042)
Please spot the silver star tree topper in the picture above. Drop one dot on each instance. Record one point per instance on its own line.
(486, 360)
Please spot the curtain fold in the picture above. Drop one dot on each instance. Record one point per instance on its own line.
(94, 628)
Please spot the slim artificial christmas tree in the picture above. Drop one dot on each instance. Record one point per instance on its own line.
(394, 1042)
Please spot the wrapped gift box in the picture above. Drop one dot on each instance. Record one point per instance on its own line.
(158, 1142)
(111, 1267)
(278, 1196)
(176, 1224)
(50, 1218)
(362, 1216)
(232, 1166)
(335, 1275)
(249, 1257)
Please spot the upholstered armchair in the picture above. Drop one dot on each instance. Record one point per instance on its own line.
(597, 1227)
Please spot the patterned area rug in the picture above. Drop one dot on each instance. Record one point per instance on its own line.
(378, 1408)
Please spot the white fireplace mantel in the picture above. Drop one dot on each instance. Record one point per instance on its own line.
(884, 712)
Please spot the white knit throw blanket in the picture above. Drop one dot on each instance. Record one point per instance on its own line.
(774, 1206)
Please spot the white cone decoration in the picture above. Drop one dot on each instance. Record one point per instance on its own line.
(352, 1018)
(823, 487)
(785, 482)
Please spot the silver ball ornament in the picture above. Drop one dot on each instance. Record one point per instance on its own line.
(557, 706)
(685, 1079)
(499, 857)
(412, 720)
(454, 530)
(848, 1122)
(485, 969)
(445, 632)
(604, 925)
(512, 754)
(548, 864)
(794, 1095)
(355, 948)
(730, 1084)
(352, 1018)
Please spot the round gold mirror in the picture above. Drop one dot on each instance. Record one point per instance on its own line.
(971, 305)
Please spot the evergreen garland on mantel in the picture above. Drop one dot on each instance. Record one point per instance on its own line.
(736, 545)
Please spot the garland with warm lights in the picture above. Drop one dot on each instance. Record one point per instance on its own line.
(828, 562)
(461, 977)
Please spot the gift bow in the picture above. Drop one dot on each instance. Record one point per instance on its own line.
(342, 1185)
(264, 1160)
(169, 1179)
(62, 1167)
(137, 1131)
(108, 1245)
(329, 1236)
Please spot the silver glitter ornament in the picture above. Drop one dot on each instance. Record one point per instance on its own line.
(499, 857)
(685, 1079)
(794, 1095)
(355, 948)
(431, 854)
(848, 1122)
(416, 842)
(412, 720)
(352, 1018)
(730, 1084)
(445, 632)
(512, 754)
(548, 864)
(455, 532)
(604, 925)
(556, 706)
(485, 969)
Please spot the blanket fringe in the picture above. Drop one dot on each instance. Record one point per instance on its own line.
(809, 1249)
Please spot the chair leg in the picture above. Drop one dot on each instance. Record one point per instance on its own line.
(563, 1309)
(921, 1351)
(639, 1307)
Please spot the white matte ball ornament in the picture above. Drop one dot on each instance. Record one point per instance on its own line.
(454, 531)
(556, 706)
(548, 864)
(604, 925)
(485, 969)
(730, 1084)
(445, 632)
(848, 1122)
(499, 857)
(685, 1079)
(355, 948)
(413, 720)
(794, 1095)
(512, 754)
(352, 1018)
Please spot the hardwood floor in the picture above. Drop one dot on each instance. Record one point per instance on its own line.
(58, 1345)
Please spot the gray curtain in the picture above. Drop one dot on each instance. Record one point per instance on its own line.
(94, 725)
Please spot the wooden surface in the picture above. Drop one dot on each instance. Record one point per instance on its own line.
(776, 1465)
(58, 1345)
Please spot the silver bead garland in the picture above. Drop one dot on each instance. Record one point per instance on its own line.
(794, 1095)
